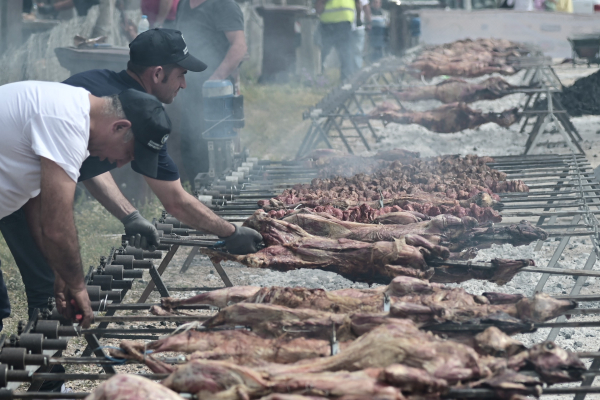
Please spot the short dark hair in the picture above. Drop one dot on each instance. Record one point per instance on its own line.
(140, 69)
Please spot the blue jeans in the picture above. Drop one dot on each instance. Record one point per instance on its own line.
(37, 275)
(339, 35)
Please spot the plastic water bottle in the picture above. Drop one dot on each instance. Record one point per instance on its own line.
(144, 25)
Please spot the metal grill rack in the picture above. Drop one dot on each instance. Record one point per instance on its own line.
(564, 199)
(341, 113)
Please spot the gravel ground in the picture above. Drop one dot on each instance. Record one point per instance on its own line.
(487, 140)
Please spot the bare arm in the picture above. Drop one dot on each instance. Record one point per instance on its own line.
(187, 209)
(59, 236)
(367, 20)
(105, 190)
(164, 6)
(233, 58)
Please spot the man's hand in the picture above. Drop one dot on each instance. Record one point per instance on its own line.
(140, 231)
(243, 241)
(60, 295)
(82, 306)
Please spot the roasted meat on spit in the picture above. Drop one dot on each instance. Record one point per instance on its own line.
(449, 118)
(457, 90)
(131, 387)
(445, 230)
(397, 214)
(467, 58)
(290, 247)
(395, 355)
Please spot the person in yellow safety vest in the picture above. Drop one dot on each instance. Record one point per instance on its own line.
(336, 31)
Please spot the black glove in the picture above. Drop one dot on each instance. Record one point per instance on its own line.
(243, 241)
(47, 9)
(140, 231)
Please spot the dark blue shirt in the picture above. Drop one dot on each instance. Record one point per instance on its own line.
(102, 82)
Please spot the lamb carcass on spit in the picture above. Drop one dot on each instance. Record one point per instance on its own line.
(290, 247)
(398, 355)
(445, 230)
(434, 302)
(449, 118)
(131, 387)
(455, 90)
(238, 346)
(397, 214)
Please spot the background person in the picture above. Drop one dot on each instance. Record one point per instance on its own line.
(336, 18)
(215, 31)
(161, 13)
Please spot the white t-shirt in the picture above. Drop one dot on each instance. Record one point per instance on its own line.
(39, 119)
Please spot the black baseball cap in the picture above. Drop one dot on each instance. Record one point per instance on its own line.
(151, 127)
(160, 46)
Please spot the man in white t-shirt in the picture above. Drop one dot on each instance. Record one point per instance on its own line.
(48, 130)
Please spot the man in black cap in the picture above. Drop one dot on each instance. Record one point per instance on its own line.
(48, 130)
(158, 63)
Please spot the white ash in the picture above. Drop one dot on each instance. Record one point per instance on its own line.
(309, 278)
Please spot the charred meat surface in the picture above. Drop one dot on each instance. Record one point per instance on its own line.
(449, 118)
(457, 90)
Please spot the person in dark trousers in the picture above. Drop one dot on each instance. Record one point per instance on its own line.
(215, 30)
(159, 61)
(336, 18)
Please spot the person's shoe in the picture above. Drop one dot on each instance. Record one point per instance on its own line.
(54, 386)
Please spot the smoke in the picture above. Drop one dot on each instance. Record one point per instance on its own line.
(35, 59)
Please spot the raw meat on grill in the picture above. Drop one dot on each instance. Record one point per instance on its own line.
(360, 384)
(131, 387)
(237, 346)
(402, 343)
(290, 247)
(408, 297)
(457, 177)
(445, 230)
(207, 378)
(457, 90)
(403, 200)
(449, 118)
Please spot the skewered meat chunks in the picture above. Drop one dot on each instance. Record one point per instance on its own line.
(131, 387)
(425, 360)
(449, 118)
(456, 176)
(457, 90)
(397, 214)
(238, 346)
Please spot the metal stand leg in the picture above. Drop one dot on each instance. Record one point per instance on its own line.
(189, 259)
(161, 270)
